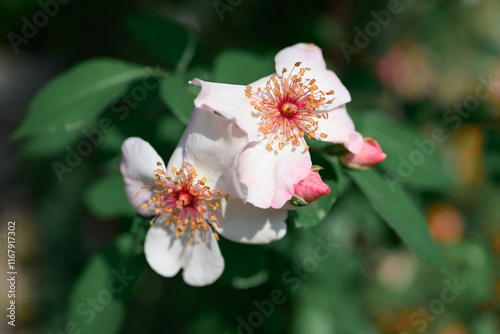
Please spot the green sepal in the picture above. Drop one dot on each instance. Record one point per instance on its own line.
(298, 202)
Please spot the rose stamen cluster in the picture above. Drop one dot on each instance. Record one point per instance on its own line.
(288, 105)
(184, 201)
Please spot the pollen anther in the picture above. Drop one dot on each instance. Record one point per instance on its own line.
(183, 201)
(288, 105)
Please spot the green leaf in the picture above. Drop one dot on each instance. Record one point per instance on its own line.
(165, 39)
(98, 299)
(139, 228)
(342, 182)
(48, 145)
(394, 205)
(74, 99)
(241, 67)
(170, 129)
(410, 158)
(106, 197)
(179, 96)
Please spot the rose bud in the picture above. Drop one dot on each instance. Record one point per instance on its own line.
(370, 155)
(310, 189)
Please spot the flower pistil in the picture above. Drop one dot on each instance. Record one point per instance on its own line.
(288, 104)
(184, 200)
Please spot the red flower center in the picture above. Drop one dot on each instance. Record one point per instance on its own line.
(185, 199)
(288, 106)
(181, 200)
(288, 109)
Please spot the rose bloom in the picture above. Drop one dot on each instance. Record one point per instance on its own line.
(195, 197)
(303, 99)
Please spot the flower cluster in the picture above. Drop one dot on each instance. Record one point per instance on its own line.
(242, 158)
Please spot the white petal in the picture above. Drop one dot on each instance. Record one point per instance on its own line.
(247, 224)
(164, 252)
(340, 117)
(262, 82)
(339, 128)
(138, 168)
(177, 158)
(271, 177)
(328, 81)
(202, 260)
(212, 147)
(205, 263)
(309, 54)
(231, 102)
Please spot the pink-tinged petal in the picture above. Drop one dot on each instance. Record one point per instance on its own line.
(352, 140)
(339, 129)
(212, 147)
(231, 102)
(138, 167)
(202, 261)
(308, 54)
(247, 224)
(210, 144)
(271, 177)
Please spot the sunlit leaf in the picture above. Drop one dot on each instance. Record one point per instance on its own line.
(73, 100)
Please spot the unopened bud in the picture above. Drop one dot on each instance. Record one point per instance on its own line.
(311, 188)
(370, 155)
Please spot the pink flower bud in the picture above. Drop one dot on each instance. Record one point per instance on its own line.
(370, 155)
(311, 188)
